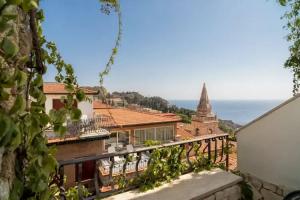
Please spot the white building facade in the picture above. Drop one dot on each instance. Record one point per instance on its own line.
(269, 148)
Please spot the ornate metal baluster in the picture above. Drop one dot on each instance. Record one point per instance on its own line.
(96, 180)
(126, 157)
(150, 152)
(198, 148)
(112, 184)
(61, 183)
(208, 147)
(180, 153)
(227, 153)
(216, 149)
(222, 149)
(139, 156)
(79, 179)
(191, 144)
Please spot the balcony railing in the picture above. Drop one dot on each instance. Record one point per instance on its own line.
(213, 147)
(90, 125)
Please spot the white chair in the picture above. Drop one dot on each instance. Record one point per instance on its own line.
(84, 117)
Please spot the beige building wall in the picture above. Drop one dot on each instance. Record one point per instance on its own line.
(86, 107)
(77, 150)
(204, 128)
(269, 148)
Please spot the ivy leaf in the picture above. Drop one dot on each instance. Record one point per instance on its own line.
(3, 95)
(18, 106)
(297, 22)
(282, 2)
(21, 78)
(80, 95)
(2, 2)
(16, 139)
(44, 119)
(29, 4)
(3, 23)
(75, 114)
(5, 127)
(10, 12)
(58, 116)
(15, 2)
(62, 130)
(17, 189)
(10, 48)
(38, 81)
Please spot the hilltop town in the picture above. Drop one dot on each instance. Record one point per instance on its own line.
(61, 140)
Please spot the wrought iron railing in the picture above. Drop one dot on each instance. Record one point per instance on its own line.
(214, 147)
(90, 125)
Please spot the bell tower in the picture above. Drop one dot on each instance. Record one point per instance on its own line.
(205, 121)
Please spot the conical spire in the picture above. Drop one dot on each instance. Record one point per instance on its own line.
(204, 97)
(204, 107)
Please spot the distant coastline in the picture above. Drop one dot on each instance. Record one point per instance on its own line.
(239, 111)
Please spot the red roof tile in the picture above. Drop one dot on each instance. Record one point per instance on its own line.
(183, 133)
(59, 88)
(127, 117)
(100, 105)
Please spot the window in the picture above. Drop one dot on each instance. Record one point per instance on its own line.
(123, 138)
(139, 136)
(150, 134)
(118, 139)
(169, 133)
(58, 104)
(162, 134)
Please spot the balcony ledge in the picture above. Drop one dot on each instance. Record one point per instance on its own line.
(189, 186)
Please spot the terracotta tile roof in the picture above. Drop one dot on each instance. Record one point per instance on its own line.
(59, 88)
(182, 133)
(127, 117)
(100, 105)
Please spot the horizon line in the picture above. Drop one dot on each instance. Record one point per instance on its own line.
(282, 99)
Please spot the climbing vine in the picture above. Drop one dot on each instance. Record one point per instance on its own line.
(24, 56)
(167, 164)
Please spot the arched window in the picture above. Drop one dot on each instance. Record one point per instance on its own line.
(210, 131)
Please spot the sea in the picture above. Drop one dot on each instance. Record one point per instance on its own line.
(239, 111)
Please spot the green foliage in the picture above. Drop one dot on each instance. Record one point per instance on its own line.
(247, 193)
(156, 103)
(202, 163)
(149, 143)
(165, 165)
(293, 26)
(23, 118)
(185, 118)
(107, 5)
(227, 129)
(246, 190)
(72, 193)
(9, 47)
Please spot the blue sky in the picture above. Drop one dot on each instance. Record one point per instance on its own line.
(170, 47)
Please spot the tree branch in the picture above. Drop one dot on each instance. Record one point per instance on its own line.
(36, 44)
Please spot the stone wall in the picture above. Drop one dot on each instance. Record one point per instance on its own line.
(230, 193)
(263, 190)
